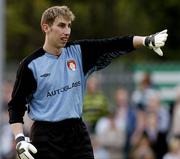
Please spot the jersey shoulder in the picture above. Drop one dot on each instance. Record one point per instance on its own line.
(35, 54)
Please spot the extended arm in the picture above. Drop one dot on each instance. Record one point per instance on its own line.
(97, 54)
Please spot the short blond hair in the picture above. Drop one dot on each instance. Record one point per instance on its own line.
(51, 13)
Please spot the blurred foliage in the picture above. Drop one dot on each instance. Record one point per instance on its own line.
(96, 19)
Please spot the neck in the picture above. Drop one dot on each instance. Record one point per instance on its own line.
(52, 50)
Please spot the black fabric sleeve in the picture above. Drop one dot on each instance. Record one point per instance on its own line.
(24, 86)
(99, 53)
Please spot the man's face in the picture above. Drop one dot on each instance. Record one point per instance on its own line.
(59, 33)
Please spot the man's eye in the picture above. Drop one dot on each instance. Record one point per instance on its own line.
(69, 26)
(61, 25)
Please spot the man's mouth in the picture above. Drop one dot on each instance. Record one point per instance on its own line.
(64, 39)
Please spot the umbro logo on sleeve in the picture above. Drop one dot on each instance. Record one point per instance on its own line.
(45, 75)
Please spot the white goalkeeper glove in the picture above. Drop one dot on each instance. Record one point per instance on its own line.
(24, 148)
(156, 41)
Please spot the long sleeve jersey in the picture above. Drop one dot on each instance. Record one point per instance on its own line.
(52, 88)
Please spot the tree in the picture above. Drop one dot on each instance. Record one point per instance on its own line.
(95, 19)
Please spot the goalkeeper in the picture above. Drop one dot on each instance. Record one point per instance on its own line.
(51, 84)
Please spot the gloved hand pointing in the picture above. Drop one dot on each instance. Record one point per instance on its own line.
(156, 41)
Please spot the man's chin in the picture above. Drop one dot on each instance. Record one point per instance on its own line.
(62, 45)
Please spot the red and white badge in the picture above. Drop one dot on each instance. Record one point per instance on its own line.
(71, 65)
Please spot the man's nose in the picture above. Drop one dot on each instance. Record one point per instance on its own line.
(67, 31)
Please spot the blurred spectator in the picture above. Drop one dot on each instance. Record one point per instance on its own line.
(99, 151)
(116, 130)
(140, 127)
(144, 89)
(161, 111)
(111, 136)
(174, 149)
(7, 90)
(142, 150)
(157, 124)
(126, 118)
(7, 148)
(175, 126)
(95, 103)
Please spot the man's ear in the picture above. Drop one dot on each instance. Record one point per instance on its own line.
(45, 28)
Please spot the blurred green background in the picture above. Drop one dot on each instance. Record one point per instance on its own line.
(95, 19)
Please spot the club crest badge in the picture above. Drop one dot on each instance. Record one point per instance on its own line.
(71, 65)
